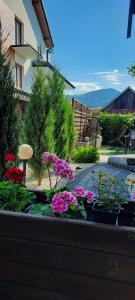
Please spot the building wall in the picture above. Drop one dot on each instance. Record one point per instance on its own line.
(24, 11)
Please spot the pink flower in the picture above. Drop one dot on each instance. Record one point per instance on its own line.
(59, 205)
(69, 197)
(49, 158)
(79, 192)
(61, 202)
(63, 169)
(89, 196)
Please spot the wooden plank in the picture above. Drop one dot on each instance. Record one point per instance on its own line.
(77, 285)
(11, 291)
(109, 266)
(119, 240)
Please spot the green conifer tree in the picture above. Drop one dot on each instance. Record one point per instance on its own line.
(49, 134)
(9, 129)
(64, 126)
(34, 127)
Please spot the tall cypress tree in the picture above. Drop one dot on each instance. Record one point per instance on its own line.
(64, 127)
(49, 134)
(9, 130)
(34, 128)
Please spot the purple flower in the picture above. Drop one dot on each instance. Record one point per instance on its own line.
(63, 169)
(79, 192)
(49, 158)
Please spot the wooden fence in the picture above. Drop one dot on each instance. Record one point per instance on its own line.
(57, 259)
(81, 118)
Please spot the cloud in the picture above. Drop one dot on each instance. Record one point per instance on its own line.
(132, 86)
(84, 87)
(106, 73)
(112, 76)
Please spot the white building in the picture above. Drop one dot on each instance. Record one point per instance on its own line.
(29, 40)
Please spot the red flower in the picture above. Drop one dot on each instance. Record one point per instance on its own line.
(9, 156)
(15, 174)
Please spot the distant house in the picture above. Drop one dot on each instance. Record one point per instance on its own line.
(29, 41)
(122, 104)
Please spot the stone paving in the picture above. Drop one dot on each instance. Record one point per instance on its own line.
(83, 178)
(83, 175)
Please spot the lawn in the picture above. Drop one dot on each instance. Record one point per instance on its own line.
(109, 150)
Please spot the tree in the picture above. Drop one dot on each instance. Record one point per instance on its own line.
(64, 127)
(49, 134)
(35, 118)
(131, 70)
(9, 129)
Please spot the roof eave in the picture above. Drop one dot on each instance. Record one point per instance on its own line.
(43, 22)
(52, 68)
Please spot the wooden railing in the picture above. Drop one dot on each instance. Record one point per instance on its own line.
(53, 258)
(22, 95)
(81, 118)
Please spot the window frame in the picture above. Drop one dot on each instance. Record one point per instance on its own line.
(20, 79)
(18, 32)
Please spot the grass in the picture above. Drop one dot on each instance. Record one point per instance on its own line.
(108, 150)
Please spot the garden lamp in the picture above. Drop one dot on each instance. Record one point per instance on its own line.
(25, 152)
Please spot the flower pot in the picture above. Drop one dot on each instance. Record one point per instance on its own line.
(88, 208)
(102, 216)
(40, 195)
(127, 215)
(26, 210)
(126, 219)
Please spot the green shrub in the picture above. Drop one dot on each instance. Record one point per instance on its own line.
(85, 154)
(13, 196)
(113, 125)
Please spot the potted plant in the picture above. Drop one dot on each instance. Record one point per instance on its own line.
(109, 199)
(87, 198)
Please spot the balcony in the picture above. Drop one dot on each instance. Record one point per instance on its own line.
(26, 51)
(22, 95)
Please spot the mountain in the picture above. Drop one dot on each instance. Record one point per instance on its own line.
(99, 98)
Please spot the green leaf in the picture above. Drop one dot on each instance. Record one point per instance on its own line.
(82, 211)
(36, 209)
(40, 209)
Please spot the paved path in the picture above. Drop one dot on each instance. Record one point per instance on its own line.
(83, 178)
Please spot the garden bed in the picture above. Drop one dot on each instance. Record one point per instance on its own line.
(59, 259)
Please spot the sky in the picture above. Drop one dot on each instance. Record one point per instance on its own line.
(91, 48)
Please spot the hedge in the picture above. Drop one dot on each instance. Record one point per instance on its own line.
(113, 125)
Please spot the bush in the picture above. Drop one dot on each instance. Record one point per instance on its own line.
(13, 196)
(113, 125)
(85, 155)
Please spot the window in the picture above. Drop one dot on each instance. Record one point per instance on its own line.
(18, 76)
(18, 32)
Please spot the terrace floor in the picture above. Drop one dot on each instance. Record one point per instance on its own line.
(84, 177)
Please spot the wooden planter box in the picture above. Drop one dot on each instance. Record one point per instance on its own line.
(56, 259)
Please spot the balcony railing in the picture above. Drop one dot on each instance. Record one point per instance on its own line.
(22, 95)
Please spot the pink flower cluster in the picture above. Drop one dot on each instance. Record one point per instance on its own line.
(49, 158)
(63, 169)
(61, 202)
(82, 193)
